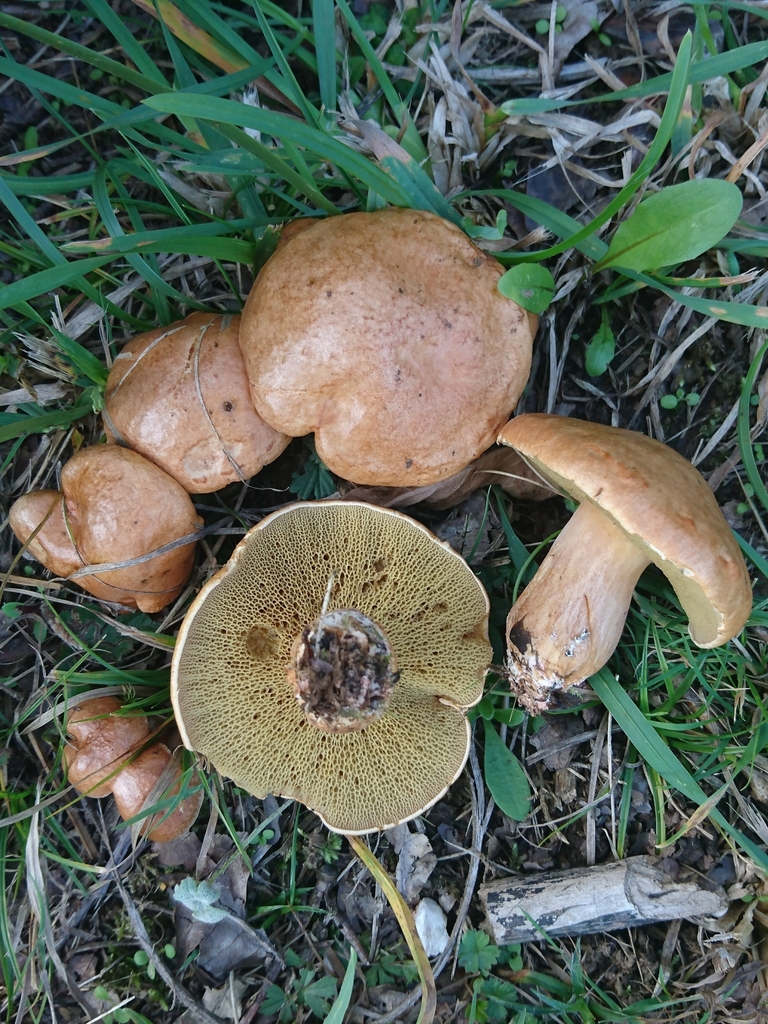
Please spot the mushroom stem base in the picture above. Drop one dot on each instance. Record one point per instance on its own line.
(342, 671)
(569, 619)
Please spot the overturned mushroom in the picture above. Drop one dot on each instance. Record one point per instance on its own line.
(179, 396)
(332, 660)
(396, 347)
(639, 502)
(114, 506)
(103, 758)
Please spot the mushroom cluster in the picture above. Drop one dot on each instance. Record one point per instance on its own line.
(104, 756)
(334, 657)
(399, 352)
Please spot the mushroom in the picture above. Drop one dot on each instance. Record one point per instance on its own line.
(179, 396)
(115, 506)
(639, 502)
(396, 347)
(102, 759)
(332, 661)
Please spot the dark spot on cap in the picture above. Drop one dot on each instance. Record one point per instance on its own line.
(408, 463)
(228, 407)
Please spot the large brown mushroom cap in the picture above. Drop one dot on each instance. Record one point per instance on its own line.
(229, 684)
(117, 507)
(395, 346)
(179, 395)
(659, 500)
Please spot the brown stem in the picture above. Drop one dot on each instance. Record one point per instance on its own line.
(569, 619)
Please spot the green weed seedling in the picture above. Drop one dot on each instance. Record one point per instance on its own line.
(673, 400)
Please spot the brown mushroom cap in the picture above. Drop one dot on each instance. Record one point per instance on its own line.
(52, 544)
(396, 346)
(101, 741)
(117, 507)
(230, 689)
(640, 502)
(179, 395)
(135, 784)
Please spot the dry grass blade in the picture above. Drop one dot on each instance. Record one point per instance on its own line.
(405, 918)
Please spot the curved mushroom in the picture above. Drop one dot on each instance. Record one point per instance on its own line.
(102, 759)
(179, 395)
(397, 350)
(115, 506)
(332, 660)
(639, 502)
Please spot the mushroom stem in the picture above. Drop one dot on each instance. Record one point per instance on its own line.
(342, 671)
(569, 619)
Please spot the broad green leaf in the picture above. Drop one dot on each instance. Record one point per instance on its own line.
(505, 778)
(561, 224)
(601, 348)
(677, 224)
(477, 954)
(529, 285)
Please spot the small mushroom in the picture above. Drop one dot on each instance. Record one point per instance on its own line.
(395, 347)
(102, 759)
(179, 395)
(639, 502)
(115, 506)
(332, 661)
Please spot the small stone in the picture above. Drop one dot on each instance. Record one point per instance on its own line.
(431, 926)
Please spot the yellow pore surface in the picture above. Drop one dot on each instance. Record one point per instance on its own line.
(229, 685)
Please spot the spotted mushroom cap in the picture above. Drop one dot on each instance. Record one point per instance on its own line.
(396, 347)
(659, 499)
(230, 690)
(179, 395)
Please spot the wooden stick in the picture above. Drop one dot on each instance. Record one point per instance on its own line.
(621, 894)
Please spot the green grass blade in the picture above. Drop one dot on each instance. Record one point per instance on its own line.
(48, 280)
(700, 71)
(745, 439)
(227, 112)
(324, 25)
(340, 1006)
(280, 167)
(127, 41)
(677, 87)
(21, 424)
(646, 740)
(289, 85)
(390, 93)
(149, 83)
